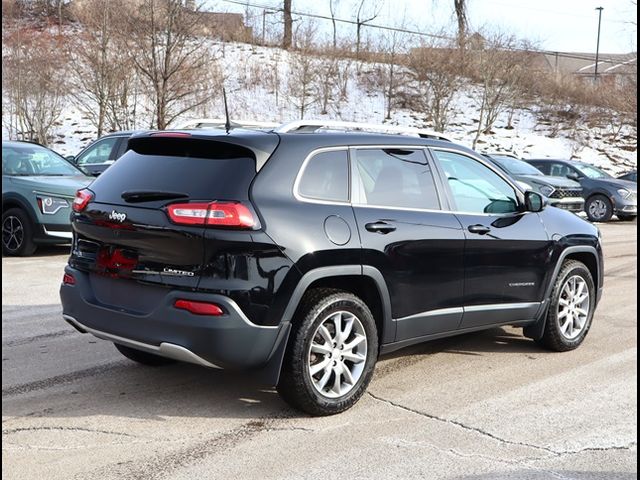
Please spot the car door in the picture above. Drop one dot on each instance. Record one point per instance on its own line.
(507, 250)
(408, 235)
(98, 156)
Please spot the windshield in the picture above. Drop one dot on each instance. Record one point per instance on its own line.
(26, 160)
(592, 172)
(515, 166)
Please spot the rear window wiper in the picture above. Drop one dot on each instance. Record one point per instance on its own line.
(150, 195)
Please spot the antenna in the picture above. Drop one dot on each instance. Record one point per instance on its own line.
(227, 121)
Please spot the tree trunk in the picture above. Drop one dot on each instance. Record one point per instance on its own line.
(461, 16)
(335, 35)
(480, 122)
(288, 24)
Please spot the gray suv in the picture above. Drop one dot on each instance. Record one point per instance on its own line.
(560, 191)
(605, 196)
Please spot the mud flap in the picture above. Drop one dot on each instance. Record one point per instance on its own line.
(270, 373)
(535, 331)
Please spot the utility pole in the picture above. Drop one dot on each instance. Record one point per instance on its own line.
(595, 75)
(264, 22)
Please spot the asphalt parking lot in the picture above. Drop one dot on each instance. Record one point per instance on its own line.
(486, 406)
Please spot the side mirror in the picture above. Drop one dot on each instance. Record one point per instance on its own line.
(71, 158)
(534, 202)
(573, 176)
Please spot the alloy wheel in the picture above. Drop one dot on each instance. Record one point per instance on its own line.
(573, 307)
(12, 233)
(337, 354)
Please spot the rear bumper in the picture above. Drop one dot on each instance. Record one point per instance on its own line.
(227, 341)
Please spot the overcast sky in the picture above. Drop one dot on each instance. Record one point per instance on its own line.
(559, 25)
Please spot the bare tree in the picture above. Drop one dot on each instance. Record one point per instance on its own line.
(498, 67)
(288, 25)
(173, 61)
(327, 85)
(33, 85)
(435, 70)
(101, 73)
(364, 15)
(303, 71)
(389, 75)
(343, 77)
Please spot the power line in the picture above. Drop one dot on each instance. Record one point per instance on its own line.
(339, 20)
(575, 56)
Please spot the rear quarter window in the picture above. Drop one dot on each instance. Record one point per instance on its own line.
(326, 177)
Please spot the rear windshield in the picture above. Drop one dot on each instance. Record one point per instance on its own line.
(219, 177)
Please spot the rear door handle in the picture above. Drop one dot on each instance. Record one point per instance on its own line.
(479, 229)
(380, 227)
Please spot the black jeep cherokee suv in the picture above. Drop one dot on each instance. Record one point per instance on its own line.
(307, 255)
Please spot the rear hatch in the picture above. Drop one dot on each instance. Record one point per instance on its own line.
(147, 214)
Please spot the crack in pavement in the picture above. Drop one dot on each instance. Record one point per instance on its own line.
(552, 452)
(526, 462)
(161, 466)
(460, 424)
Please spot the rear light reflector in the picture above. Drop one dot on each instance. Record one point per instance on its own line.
(199, 308)
(68, 279)
(216, 214)
(83, 197)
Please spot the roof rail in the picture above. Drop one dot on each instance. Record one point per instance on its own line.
(220, 123)
(309, 126)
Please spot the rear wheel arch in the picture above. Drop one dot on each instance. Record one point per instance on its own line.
(366, 282)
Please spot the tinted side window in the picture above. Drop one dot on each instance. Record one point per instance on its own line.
(394, 177)
(560, 170)
(326, 177)
(544, 167)
(100, 152)
(475, 187)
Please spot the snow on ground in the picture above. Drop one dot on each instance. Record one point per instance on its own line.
(250, 81)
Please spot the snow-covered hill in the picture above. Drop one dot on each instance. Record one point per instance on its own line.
(256, 79)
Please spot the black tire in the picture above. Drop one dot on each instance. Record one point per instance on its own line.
(553, 338)
(143, 357)
(589, 208)
(17, 233)
(627, 218)
(295, 385)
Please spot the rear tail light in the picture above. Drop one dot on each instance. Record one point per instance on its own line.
(83, 197)
(68, 279)
(199, 308)
(216, 214)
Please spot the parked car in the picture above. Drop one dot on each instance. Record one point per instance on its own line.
(560, 191)
(632, 176)
(604, 195)
(96, 157)
(38, 187)
(306, 255)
